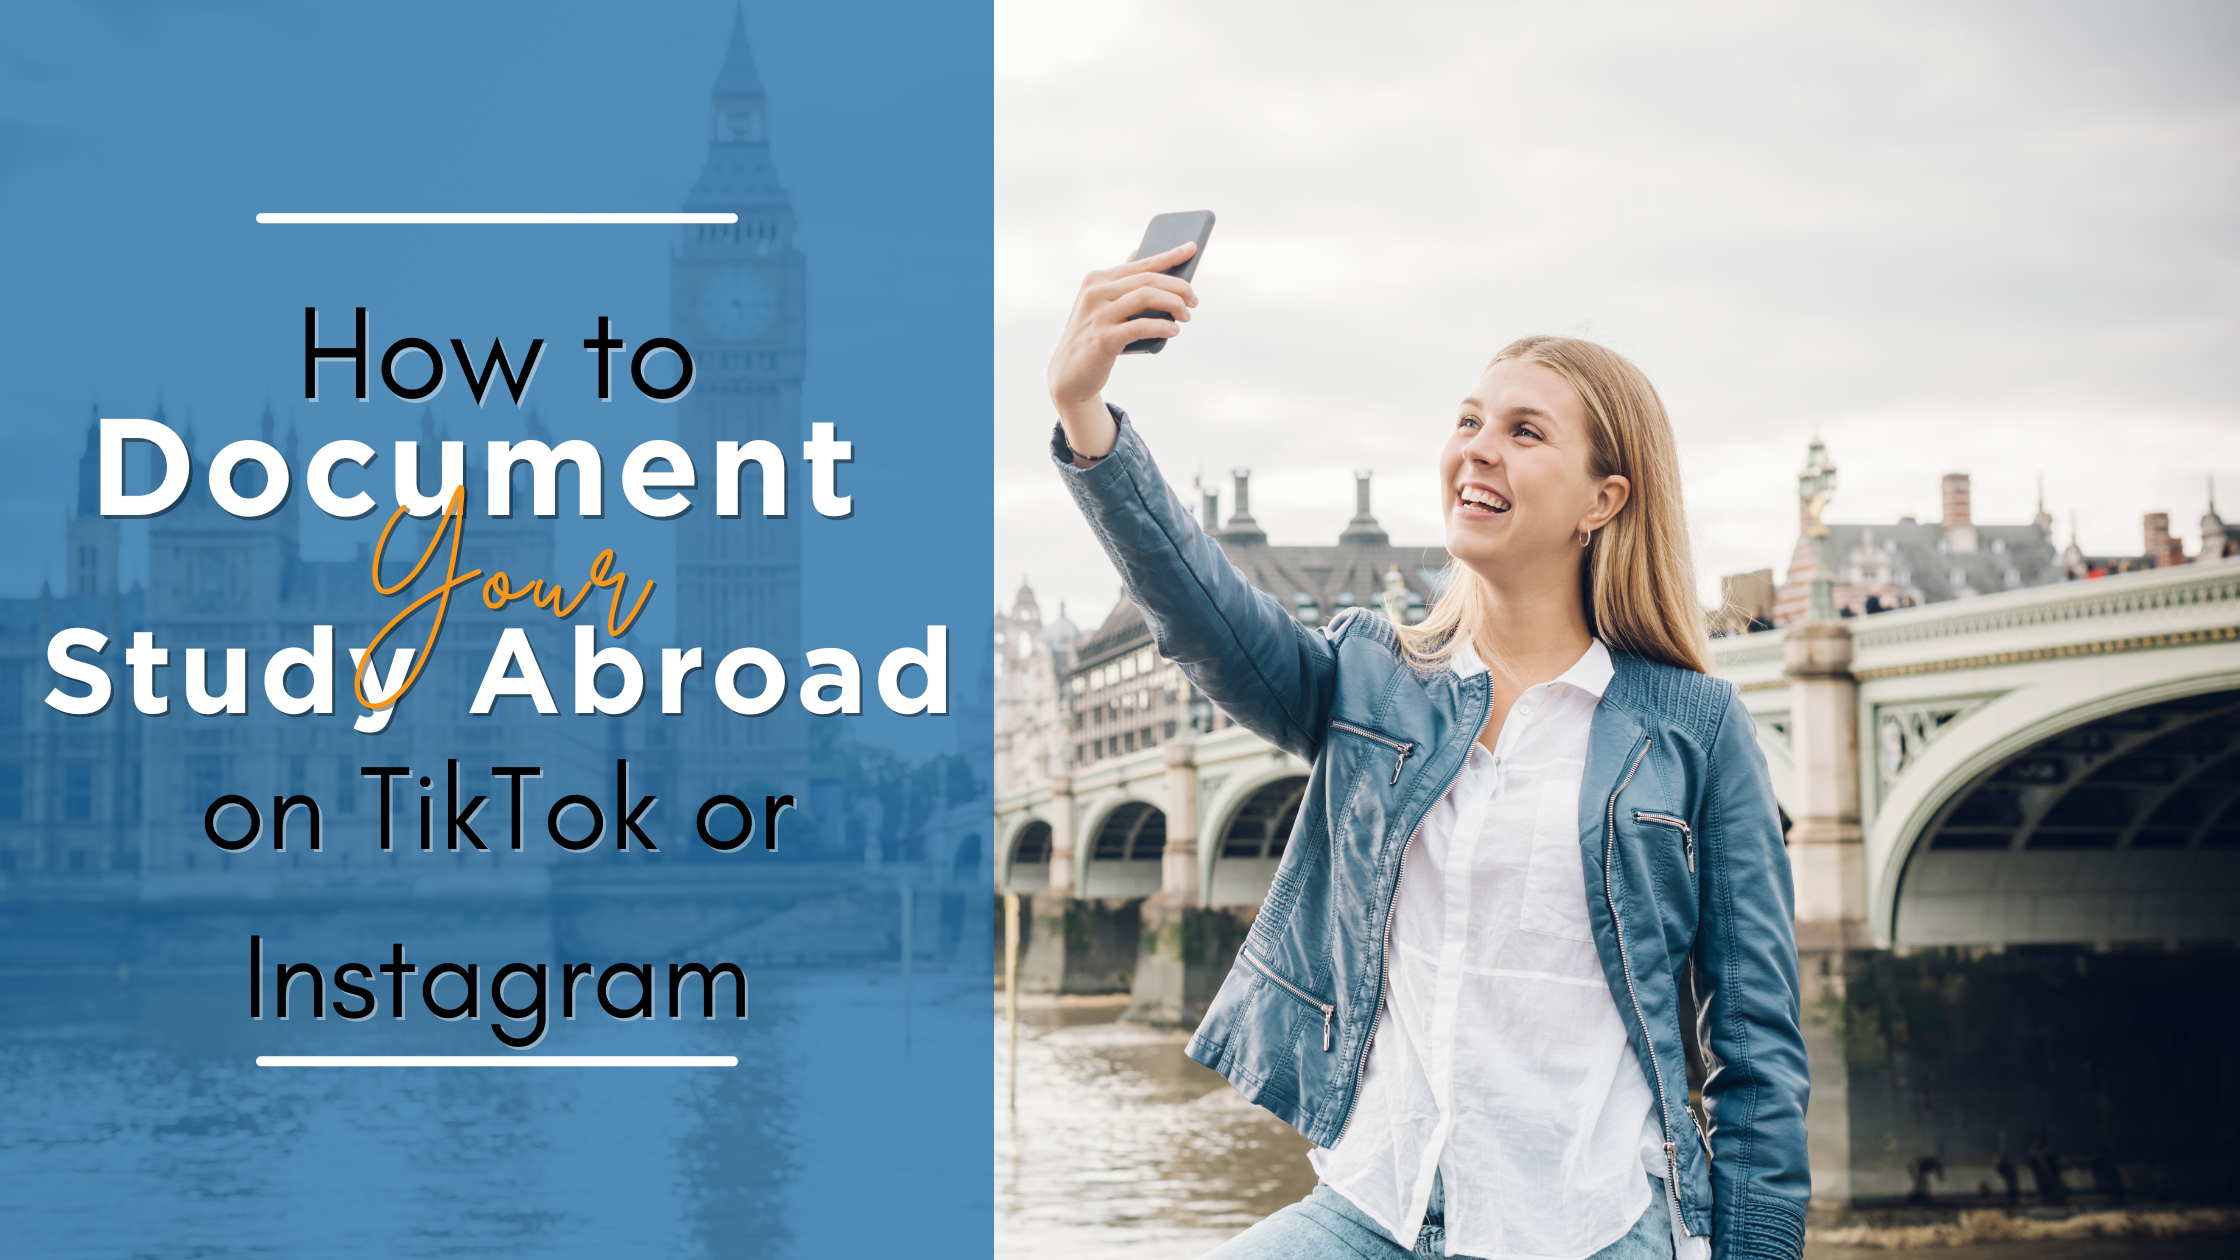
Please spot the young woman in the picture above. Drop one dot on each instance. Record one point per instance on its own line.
(1538, 837)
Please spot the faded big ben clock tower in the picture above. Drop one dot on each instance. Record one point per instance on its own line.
(737, 299)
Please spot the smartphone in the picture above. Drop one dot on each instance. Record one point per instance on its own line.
(1166, 232)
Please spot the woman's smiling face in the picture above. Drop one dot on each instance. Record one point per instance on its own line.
(1515, 473)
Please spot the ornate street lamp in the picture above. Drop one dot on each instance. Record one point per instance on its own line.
(1816, 485)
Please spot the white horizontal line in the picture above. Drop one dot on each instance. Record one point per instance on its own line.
(442, 216)
(497, 1060)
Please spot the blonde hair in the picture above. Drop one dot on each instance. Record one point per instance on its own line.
(1637, 582)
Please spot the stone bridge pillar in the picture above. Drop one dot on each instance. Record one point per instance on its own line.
(1185, 949)
(1827, 857)
(1074, 946)
(1044, 967)
(1826, 845)
(1178, 861)
(1059, 889)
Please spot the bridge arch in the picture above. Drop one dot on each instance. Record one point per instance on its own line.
(964, 862)
(2069, 813)
(1239, 860)
(1120, 855)
(1026, 859)
(1781, 770)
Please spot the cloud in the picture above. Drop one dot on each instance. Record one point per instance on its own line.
(1991, 238)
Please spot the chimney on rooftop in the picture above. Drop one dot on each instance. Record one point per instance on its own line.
(2162, 549)
(1959, 530)
(1209, 510)
(1363, 529)
(1241, 527)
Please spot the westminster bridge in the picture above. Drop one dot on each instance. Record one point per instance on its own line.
(2014, 824)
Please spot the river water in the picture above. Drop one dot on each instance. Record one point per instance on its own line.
(136, 1124)
(1118, 1145)
(1110, 1143)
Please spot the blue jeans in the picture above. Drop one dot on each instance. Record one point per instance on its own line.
(1327, 1226)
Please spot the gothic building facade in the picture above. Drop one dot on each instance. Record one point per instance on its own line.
(122, 792)
(1032, 662)
(72, 792)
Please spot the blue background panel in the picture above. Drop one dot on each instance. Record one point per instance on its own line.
(137, 143)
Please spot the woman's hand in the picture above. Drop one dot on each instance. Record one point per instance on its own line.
(1102, 323)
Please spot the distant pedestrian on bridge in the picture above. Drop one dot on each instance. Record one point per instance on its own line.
(1593, 863)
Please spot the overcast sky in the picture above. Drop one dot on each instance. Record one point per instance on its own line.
(1989, 238)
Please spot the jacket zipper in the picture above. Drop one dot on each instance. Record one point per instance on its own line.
(1395, 745)
(1687, 836)
(1392, 905)
(1328, 1010)
(1688, 842)
(1625, 968)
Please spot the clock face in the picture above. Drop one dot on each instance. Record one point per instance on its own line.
(737, 303)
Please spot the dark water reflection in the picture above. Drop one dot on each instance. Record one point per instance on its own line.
(1119, 1146)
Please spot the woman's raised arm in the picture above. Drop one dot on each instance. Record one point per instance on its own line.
(1236, 643)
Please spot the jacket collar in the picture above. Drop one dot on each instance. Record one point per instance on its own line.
(1591, 673)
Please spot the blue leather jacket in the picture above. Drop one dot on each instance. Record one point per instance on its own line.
(1678, 836)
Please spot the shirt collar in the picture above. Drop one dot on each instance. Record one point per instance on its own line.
(1591, 673)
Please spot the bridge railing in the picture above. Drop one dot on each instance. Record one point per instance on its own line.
(2169, 607)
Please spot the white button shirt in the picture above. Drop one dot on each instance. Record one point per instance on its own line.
(1501, 1063)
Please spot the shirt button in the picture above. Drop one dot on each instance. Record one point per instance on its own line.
(1524, 710)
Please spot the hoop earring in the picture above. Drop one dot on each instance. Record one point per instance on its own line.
(1586, 537)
